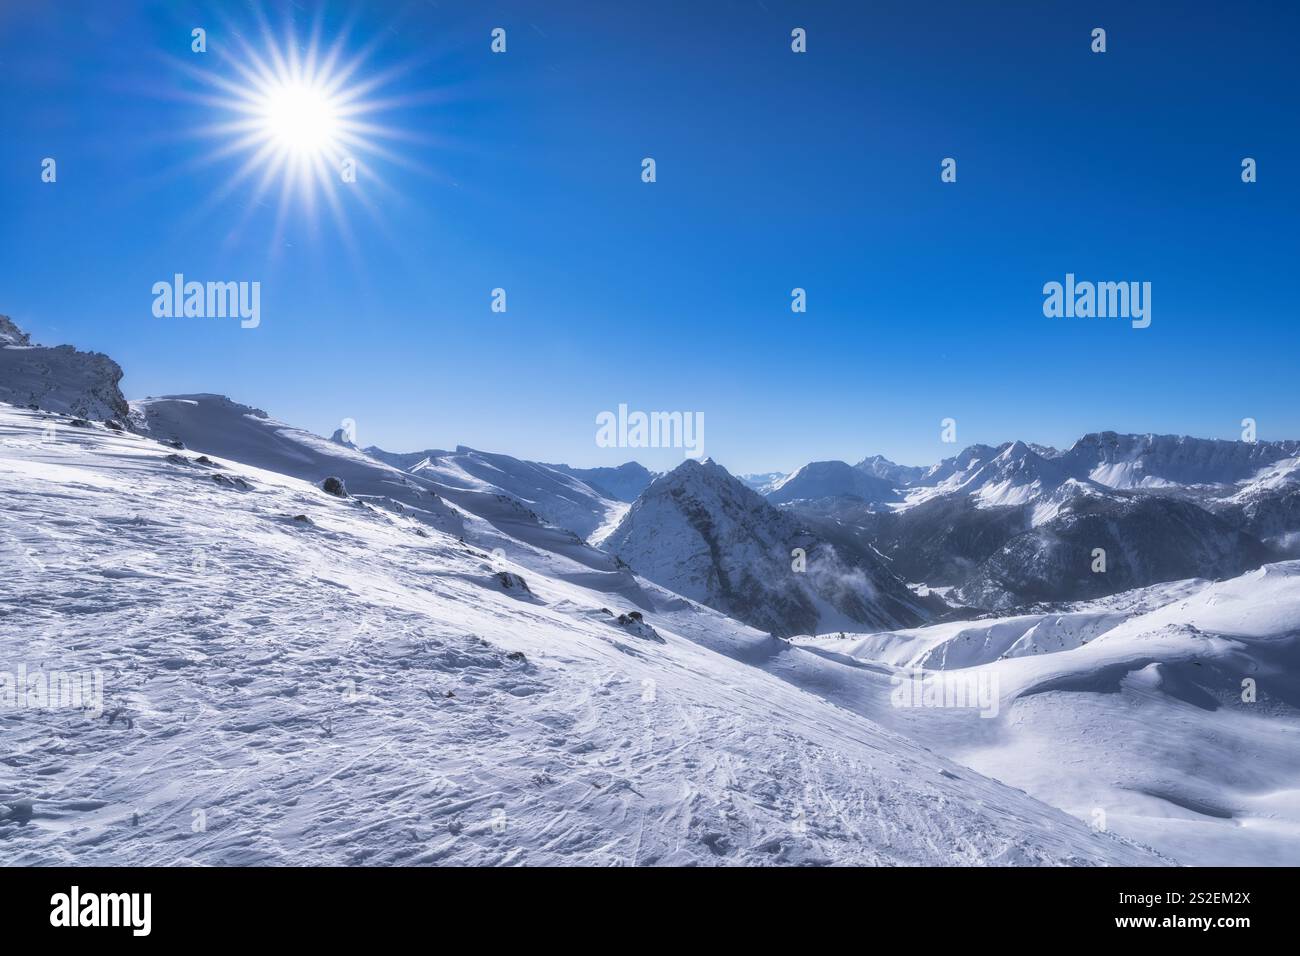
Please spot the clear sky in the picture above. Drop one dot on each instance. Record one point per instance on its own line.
(821, 170)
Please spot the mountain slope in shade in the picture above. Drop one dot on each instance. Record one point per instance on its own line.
(1169, 507)
(940, 542)
(831, 479)
(1146, 539)
(61, 379)
(1268, 506)
(701, 533)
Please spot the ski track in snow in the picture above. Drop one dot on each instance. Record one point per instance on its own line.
(350, 690)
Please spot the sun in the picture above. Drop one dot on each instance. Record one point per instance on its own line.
(300, 118)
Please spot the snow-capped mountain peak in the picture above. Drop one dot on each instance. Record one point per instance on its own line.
(831, 479)
(700, 532)
(900, 476)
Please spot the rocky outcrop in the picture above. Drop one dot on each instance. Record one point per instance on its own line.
(59, 379)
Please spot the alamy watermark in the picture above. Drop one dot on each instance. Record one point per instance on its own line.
(1102, 300)
(52, 690)
(75, 908)
(959, 690)
(209, 300)
(626, 429)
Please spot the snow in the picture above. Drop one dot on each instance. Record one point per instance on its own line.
(559, 498)
(624, 483)
(364, 687)
(898, 475)
(829, 479)
(1132, 706)
(762, 482)
(1278, 476)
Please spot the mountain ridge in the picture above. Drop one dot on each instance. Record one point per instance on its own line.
(701, 532)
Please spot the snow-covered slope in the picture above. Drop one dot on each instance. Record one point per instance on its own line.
(1144, 539)
(831, 479)
(1268, 506)
(1169, 714)
(59, 379)
(898, 476)
(701, 533)
(295, 677)
(623, 483)
(216, 425)
(1281, 475)
(1011, 474)
(762, 482)
(556, 496)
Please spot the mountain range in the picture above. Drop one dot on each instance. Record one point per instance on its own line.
(1014, 525)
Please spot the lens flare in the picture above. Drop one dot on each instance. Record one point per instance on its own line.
(300, 119)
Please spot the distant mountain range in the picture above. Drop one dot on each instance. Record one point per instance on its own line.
(1019, 524)
(991, 528)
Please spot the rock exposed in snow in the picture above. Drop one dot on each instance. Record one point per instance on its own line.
(60, 379)
(218, 426)
(10, 334)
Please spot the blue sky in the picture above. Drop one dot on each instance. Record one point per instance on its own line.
(775, 170)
